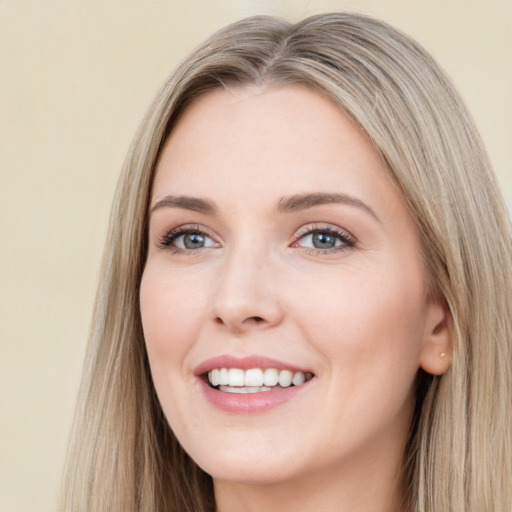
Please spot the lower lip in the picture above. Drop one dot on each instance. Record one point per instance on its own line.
(250, 403)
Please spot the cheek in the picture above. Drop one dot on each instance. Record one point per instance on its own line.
(171, 313)
(373, 349)
(370, 330)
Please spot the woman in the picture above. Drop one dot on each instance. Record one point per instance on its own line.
(305, 300)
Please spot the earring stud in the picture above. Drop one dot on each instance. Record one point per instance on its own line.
(443, 354)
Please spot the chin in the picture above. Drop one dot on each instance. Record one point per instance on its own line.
(253, 465)
(251, 473)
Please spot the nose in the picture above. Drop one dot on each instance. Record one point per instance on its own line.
(247, 295)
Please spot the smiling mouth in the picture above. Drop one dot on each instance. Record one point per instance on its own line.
(254, 380)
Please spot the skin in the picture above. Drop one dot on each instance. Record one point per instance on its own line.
(357, 315)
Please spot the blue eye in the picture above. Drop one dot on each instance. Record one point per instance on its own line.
(191, 241)
(321, 240)
(325, 239)
(188, 239)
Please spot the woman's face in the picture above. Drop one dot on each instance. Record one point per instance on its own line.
(280, 249)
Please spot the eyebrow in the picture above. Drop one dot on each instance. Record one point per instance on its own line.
(303, 201)
(289, 204)
(186, 203)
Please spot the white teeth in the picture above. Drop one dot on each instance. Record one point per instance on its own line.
(236, 377)
(270, 377)
(298, 378)
(285, 378)
(223, 377)
(245, 389)
(214, 377)
(255, 379)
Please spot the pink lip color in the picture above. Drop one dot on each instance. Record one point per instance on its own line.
(247, 403)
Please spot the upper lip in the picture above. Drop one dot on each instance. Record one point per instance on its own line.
(245, 363)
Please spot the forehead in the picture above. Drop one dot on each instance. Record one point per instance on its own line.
(234, 143)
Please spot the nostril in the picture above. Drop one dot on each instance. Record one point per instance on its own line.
(236, 324)
(255, 319)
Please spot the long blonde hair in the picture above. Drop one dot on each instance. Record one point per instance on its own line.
(123, 456)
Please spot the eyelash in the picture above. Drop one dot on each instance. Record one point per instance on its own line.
(347, 240)
(168, 240)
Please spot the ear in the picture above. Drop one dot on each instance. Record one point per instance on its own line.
(437, 350)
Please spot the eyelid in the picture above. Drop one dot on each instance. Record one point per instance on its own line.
(348, 240)
(166, 241)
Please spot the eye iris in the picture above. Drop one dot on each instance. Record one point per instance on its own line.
(193, 240)
(323, 240)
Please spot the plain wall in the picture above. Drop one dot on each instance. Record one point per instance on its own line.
(75, 80)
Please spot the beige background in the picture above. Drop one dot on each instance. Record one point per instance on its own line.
(75, 79)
